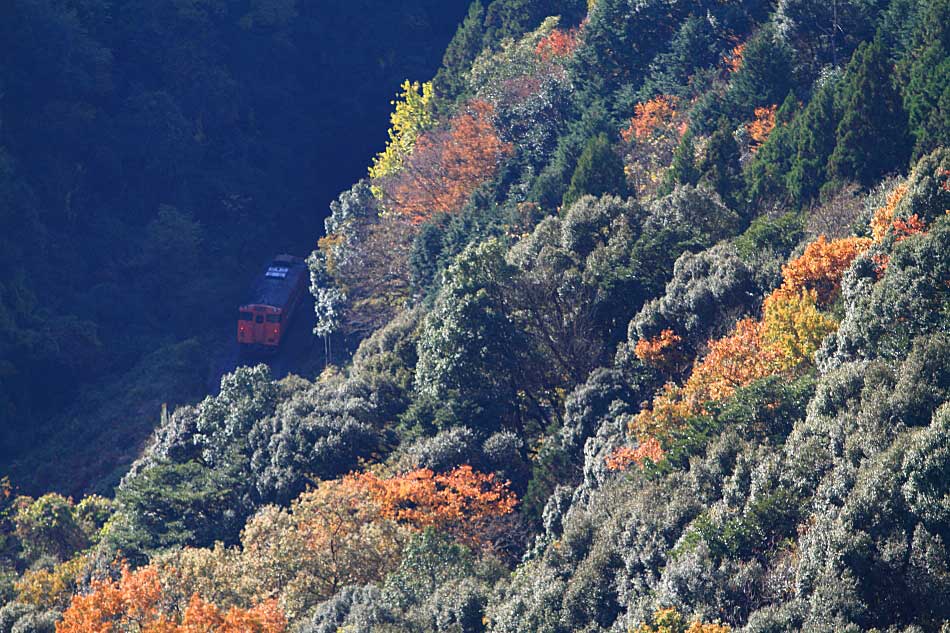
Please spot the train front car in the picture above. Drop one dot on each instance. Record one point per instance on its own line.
(265, 317)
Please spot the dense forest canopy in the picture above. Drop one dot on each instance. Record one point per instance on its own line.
(645, 312)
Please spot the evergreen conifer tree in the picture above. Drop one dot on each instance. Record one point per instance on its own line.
(465, 46)
(683, 169)
(814, 133)
(871, 138)
(927, 93)
(720, 169)
(599, 171)
(765, 177)
(764, 78)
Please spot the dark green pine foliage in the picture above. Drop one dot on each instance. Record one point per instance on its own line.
(814, 133)
(513, 18)
(927, 93)
(460, 53)
(620, 40)
(485, 28)
(683, 170)
(720, 169)
(696, 45)
(765, 77)
(766, 174)
(599, 171)
(871, 139)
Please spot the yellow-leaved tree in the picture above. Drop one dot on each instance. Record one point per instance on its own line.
(412, 115)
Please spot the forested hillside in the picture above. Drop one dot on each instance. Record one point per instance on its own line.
(653, 302)
(153, 156)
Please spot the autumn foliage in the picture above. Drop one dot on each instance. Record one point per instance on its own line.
(648, 449)
(671, 621)
(735, 58)
(795, 326)
(760, 127)
(790, 331)
(556, 44)
(660, 351)
(649, 117)
(446, 166)
(454, 501)
(136, 603)
(651, 137)
(821, 267)
(883, 218)
(731, 362)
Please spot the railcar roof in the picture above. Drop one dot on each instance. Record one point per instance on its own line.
(276, 282)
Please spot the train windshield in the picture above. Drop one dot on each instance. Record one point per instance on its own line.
(244, 316)
(273, 318)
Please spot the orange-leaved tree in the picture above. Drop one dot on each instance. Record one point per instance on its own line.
(733, 361)
(791, 330)
(446, 165)
(883, 217)
(821, 267)
(650, 117)
(792, 327)
(136, 603)
(455, 501)
(792, 315)
(330, 537)
(648, 449)
(735, 59)
(761, 126)
(650, 141)
(661, 351)
(557, 43)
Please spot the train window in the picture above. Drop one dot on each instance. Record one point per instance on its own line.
(273, 318)
(259, 318)
(244, 316)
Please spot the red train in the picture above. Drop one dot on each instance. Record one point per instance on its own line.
(264, 319)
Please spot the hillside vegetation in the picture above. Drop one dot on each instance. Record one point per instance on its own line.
(654, 307)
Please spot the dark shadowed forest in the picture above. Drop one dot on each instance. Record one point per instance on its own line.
(153, 156)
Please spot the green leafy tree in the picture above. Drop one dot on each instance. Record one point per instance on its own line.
(814, 132)
(871, 139)
(466, 44)
(766, 174)
(599, 171)
(171, 504)
(49, 527)
(927, 92)
(719, 167)
(469, 346)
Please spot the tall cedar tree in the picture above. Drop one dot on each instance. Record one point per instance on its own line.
(764, 78)
(871, 139)
(720, 169)
(683, 170)
(599, 171)
(927, 93)
(814, 143)
(465, 46)
(765, 177)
